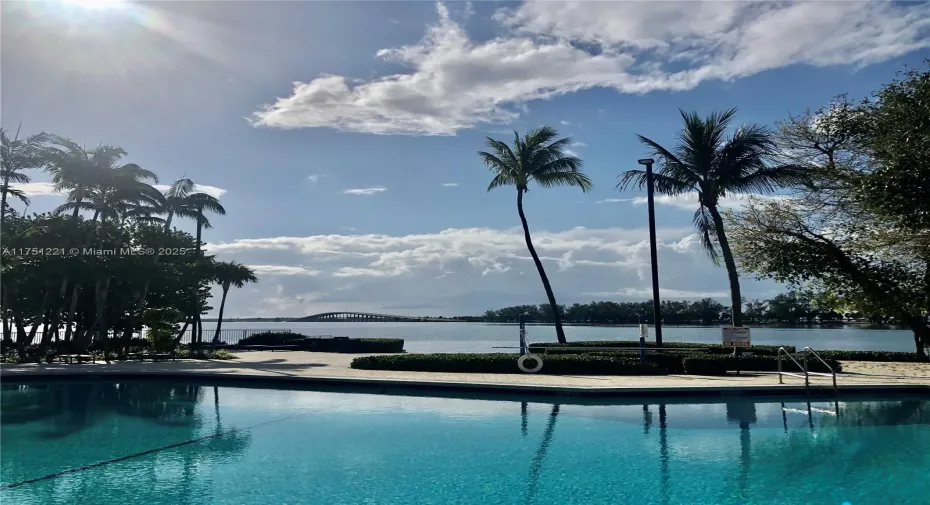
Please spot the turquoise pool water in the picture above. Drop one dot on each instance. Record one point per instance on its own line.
(159, 443)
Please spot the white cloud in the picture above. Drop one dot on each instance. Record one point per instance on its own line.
(466, 270)
(569, 152)
(282, 270)
(549, 49)
(689, 201)
(314, 178)
(579, 144)
(364, 191)
(213, 191)
(37, 188)
(615, 200)
(566, 123)
(48, 189)
(449, 184)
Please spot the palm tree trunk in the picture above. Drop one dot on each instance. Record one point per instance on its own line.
(177, 339)
(556, 316)
(71, 309)
(198, 328)
(736, 299)
(219, 321)
(3, 190)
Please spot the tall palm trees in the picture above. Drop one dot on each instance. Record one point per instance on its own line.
(535, 157)
(715, 165)
(16, 156)
(228, 274)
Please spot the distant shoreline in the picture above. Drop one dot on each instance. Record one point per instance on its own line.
(862, 325)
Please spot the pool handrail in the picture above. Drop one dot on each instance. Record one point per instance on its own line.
(782, 350)
(808, 350)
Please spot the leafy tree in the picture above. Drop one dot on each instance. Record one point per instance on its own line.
(228, 274)
(535, 157)
(828, 232)
(894, 129)
(714, 165)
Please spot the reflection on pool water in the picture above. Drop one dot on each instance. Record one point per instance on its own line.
(159, 443)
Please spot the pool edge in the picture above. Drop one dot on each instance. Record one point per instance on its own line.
(389, 386)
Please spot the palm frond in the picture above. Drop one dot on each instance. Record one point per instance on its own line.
(564, 178)
(663, 184)
(19, 194)
(707, 231)
(502, 179)
(14, 177)
(204, 201)
(180, 188)
(137, 173)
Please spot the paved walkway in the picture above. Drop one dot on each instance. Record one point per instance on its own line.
(328, 368)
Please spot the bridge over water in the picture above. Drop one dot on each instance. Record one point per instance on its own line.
(357, 317)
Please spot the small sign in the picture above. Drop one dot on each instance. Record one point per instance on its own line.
(736, 337)
(644, 331)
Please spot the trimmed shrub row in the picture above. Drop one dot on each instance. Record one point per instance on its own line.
(585, 364)
(883, 356)
(712, 348)
(305, 343)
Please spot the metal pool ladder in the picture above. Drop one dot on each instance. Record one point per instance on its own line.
(804, 368)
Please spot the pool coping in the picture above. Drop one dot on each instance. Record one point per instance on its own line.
(425, 387)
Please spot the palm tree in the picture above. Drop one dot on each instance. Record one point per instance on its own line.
(179, 200)
(714, 165)
(16, 156)
(227, 274)
(535, 157)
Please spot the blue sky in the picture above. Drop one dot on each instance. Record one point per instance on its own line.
(284, 107)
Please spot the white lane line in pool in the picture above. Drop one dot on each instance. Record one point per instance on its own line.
(813, 409)
(145, 453)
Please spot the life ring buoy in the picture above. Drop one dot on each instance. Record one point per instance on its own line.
(521, 363)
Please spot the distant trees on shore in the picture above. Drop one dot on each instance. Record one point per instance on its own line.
(792, 307)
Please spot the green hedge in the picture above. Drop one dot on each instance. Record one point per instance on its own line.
(317, 344)
(883, 356)
(711, 348)
(704, 365)
(761, 363)
(271, 338)
(585, 364)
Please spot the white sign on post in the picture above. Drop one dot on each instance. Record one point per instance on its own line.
(644, 331)
(736, 337)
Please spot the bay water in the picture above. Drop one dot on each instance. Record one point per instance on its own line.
(485, 337)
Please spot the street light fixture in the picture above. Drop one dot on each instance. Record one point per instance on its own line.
(656, 307)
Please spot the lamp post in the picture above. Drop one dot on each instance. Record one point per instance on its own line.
(656, 307)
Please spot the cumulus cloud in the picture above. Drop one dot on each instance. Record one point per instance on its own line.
(579, 144)
(314, 178)
(282, 270)
(364, 191)
(48, 189)
(37, 188)
(449, 184)
(198, 188)
(549, 48)
(465, 270)
(689, 201)
(615, 200)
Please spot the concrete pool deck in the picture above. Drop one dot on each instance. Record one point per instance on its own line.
(327, 369)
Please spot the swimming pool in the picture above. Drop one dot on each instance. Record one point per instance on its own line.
(105, 443)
